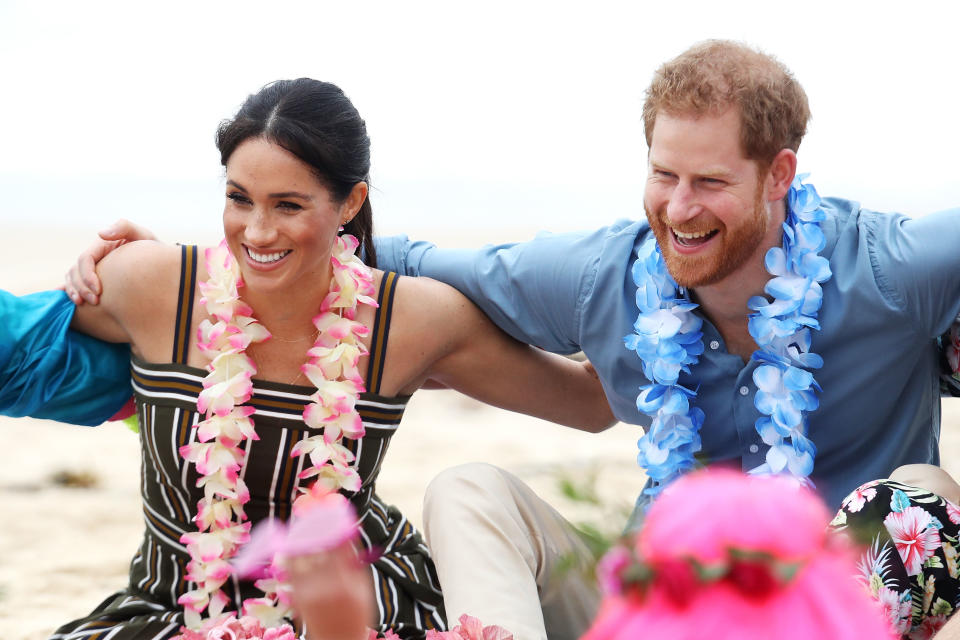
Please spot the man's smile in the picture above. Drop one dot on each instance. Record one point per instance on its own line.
(694, 239)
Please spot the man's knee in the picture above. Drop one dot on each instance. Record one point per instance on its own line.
(465, 485)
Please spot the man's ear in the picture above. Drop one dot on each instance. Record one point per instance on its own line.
(781, 173)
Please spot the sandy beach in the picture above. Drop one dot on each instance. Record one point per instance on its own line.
(65, 548)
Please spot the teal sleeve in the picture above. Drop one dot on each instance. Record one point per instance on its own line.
(48, 371)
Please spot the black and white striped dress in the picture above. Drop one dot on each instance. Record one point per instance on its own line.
(407, 590)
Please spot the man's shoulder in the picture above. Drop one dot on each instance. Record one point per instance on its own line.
(847, 222)
(852, 212)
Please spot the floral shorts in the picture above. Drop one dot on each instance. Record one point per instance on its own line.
(910, 562)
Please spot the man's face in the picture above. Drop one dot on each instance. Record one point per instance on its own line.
(704, 198)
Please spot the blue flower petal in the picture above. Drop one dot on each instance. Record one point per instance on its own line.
(796, 379)
(776, 261)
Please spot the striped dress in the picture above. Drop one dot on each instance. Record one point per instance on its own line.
(407, 590)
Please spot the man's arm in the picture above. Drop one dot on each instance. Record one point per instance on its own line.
(532, 290)
(48, 371)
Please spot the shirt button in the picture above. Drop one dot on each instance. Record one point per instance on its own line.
(714, 345)
(744, 391)
(754, 448)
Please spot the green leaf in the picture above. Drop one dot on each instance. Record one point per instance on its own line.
(840, 519)
(941, 608)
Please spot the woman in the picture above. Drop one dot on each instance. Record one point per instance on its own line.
(256, 421)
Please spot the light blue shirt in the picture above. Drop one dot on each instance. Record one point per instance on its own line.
(895, 288)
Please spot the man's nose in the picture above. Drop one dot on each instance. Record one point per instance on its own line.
(683, 204)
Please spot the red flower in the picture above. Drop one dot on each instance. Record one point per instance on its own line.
(677, 578)
(752, 579)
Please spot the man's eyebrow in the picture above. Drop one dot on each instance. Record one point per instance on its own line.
(715, 173)
(657, 165)
(709, 172)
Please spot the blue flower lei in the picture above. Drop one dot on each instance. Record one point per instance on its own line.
(668, 340)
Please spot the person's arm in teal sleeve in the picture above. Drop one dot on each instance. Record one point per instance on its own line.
(532, 290)
(48, 371)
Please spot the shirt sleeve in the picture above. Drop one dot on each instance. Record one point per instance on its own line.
(48, 371)
(532, 290)
(916, 262)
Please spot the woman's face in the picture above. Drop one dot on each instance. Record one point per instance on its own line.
(279, 220)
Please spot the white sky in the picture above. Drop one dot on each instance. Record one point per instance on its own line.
(499, 114)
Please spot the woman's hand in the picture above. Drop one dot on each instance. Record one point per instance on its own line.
(81, 282)
(332, 593)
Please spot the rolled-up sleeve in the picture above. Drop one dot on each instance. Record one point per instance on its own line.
(532, 290)
(916, 263)
(48, 371)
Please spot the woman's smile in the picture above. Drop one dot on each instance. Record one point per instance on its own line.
(265, 259)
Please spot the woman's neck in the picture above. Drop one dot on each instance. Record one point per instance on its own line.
(288, 313)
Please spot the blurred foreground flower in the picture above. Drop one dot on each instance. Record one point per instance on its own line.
(471, 629)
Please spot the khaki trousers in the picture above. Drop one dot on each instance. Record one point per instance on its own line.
(506, 557)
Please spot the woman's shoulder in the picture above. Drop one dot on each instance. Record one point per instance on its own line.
(141, 285)
(426, 298)
(432, 316)
(424, 325)
(140, 258)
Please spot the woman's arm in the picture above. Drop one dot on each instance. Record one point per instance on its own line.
(138, 300)
(454, 344)
(82, 283)
(47, 370)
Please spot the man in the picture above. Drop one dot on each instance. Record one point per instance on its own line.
(723, 125)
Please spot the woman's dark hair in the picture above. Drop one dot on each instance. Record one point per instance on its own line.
(316, 122)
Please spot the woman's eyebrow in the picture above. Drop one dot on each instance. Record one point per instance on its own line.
(281, 194)
(291, 194)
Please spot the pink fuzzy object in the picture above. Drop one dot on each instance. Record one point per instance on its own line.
(322, 521)
(704, 516)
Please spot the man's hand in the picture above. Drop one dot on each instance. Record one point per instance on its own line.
(81, 282)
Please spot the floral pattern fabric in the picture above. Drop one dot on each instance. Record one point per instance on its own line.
(910, 563)
(950, 360)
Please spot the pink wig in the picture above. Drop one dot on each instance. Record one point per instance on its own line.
(731, 557)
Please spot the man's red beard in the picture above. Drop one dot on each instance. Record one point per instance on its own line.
(737, 246)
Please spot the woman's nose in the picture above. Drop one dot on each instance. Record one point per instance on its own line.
(260, 232)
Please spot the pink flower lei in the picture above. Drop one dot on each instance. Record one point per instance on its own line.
(218, 453)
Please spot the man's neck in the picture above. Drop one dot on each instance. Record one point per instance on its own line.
(725, 302)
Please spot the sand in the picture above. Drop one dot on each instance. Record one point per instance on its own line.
(64, 549)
